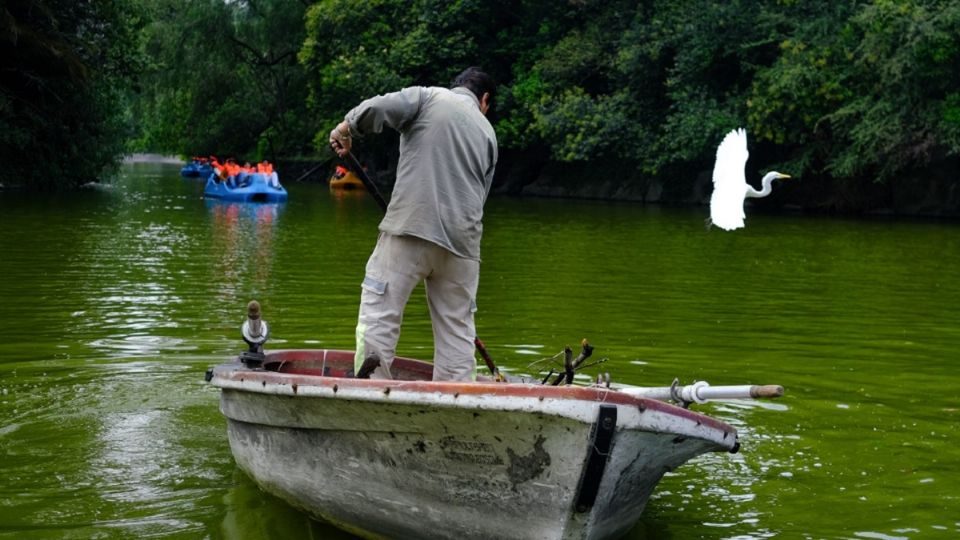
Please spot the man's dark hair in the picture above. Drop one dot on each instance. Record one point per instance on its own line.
(477, 81)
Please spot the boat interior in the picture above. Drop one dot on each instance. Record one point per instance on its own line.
(339, 363)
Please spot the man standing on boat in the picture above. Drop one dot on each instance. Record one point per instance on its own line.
(433, 224)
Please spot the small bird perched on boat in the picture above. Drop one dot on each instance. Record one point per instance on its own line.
(730, 185)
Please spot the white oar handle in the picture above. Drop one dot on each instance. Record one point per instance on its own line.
(702, 392)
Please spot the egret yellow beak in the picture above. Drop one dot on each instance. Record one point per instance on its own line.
(785, 175)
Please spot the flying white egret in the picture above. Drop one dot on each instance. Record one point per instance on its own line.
(730, 185)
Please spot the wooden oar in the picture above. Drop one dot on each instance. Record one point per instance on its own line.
(702, 392)
(482, 349)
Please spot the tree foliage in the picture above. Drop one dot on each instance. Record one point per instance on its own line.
(871, 96)
(850, 93)
(66, 65)
(224, 79)
(858, 91)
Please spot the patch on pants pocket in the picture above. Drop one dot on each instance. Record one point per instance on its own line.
(374, 285)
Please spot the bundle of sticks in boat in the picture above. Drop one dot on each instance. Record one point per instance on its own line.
(571, 365)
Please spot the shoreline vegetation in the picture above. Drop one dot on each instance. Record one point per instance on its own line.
(858, 101)
(906, 197)
(146, 157)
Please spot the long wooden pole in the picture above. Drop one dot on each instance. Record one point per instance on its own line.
(308, 173)
(357, 169)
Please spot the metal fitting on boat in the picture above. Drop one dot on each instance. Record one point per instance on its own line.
(255, 332)
(689, 394)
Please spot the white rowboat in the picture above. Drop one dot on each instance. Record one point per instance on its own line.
(412, 458)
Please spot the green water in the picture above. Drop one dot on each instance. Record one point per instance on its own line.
(115, 300)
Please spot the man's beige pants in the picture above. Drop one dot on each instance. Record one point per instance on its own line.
(397, 264)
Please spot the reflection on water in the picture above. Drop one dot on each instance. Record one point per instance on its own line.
(251, 514)
(243, 242)
(115, 300)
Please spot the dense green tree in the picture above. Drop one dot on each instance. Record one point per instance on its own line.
(871, 95)
(65, 66)
(357, 49)
(224, 79)
(844, 92)
(848, 95)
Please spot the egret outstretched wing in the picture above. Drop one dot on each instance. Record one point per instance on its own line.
(729, 182)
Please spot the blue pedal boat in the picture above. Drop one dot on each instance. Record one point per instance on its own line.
(246, 187)
(195, 169)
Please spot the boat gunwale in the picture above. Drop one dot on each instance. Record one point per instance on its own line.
(236, 376)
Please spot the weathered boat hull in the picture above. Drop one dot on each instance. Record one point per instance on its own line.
(407, 459)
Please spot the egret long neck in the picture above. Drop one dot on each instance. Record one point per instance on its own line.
(766, 188)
